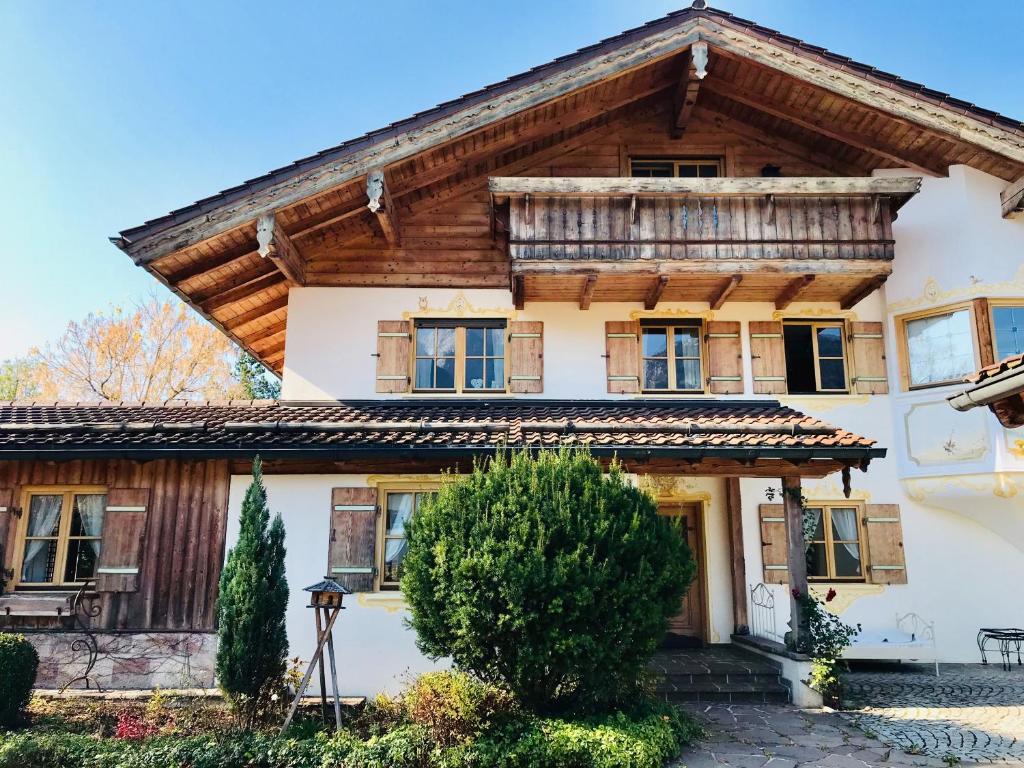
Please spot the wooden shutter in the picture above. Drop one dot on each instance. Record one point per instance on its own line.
(883, 532)
(124, 526)
(525, 357)
(622, 350)
(767, 358)
(7, 514)
(867, 353)
(773, 543)
(351, 553)
(394, 355)
(725, 358)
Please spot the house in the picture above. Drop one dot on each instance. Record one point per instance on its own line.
(745, 266)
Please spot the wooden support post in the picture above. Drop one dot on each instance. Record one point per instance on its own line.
(587, 294)
(323, 677)
(793, 290)
(334, 672)
(318, 657)
(734, 512)
(275, 245)
(518, 291)
(689, 87)
(796, 554)
(726, 290)
(1012, 198)
(654, 296)
(381, 204)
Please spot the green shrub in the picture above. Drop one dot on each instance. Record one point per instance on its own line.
(252, 642)
(545, 576)
(453, 706)
(19, 662)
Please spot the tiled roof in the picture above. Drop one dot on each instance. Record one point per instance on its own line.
(1006, 364)
(713, 428)
(563, 62)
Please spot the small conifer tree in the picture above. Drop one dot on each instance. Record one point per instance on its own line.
(253, 643)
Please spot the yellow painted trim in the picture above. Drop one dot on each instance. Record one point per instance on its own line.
(1002, 485)
(846, 594)
(672, 314)
(391, 601)
(459, 306)
(932, 293)
(823, 402)
(814, 312)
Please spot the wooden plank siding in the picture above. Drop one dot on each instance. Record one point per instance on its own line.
(183, 544)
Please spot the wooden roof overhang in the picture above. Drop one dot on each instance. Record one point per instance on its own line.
(372, 211)
(745, 239)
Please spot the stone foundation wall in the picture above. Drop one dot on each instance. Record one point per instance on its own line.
(135, 660)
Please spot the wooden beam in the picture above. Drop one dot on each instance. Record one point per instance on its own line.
(244, 291)
(1012, 198)
(810, 122)
(734, 186)
(847, 267)
(357, 209)
(796, 553)
(207, 264)
(730, 285)
(862, 291)
(689, 87)
(654, 296)
(587, 294)
(275, 245)
(383, 206)
(792, 291)
(737, 561)
(518, 291)
(252, 315)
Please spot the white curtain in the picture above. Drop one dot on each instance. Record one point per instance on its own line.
(90, 510)
(844, 526)
(44, 512)
(400, 506)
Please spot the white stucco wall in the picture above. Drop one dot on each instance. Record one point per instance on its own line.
(951, 244)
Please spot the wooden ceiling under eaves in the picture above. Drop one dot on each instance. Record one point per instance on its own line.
(434, 224)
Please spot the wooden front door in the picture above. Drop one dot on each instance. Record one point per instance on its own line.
(687, 627)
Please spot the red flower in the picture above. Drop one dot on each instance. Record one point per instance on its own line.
(132, 726)
(796, 593)
(830, 596)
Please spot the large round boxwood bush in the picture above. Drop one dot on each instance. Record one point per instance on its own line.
(545, 575)
(19, 662)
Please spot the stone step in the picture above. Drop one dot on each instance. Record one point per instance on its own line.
(732, 693)
(719, 678)
(717, 674)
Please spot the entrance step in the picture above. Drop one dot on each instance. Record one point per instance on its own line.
(721, 673)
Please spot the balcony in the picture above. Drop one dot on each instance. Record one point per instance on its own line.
(738, 239)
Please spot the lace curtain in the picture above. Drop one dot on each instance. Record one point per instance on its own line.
(90, 514)
(844, 526)
(400, 507)
(44, 515)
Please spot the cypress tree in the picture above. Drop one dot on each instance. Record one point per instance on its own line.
(253, 644)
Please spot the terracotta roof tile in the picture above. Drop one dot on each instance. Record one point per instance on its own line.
(1006, 364)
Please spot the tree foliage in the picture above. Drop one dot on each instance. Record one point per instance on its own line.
(255, 382)
(253, 644)
(547, 576)
(157, 350)
(19, 379)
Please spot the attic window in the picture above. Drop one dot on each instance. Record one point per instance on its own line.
(683, 168)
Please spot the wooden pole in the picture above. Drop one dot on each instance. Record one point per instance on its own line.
(317, 657)
(734, 513)
(323, 681)
(334, 672)
(796, 554)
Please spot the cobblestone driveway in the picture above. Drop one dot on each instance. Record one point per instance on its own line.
(973, 713)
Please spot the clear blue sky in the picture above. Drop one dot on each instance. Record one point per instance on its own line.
(114, 112)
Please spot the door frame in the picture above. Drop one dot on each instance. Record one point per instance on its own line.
(701, 502)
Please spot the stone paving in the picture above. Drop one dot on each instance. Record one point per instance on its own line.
(782, 736)
(971, 712)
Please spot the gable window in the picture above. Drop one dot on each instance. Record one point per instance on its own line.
(399, 507)
(815, 357)
(833, 539)
(939, 347)
(671, 357)
(459, 356)
(1008, 330)
(60, 537)
(684, 168)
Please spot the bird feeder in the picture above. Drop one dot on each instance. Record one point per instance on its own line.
(325, 598)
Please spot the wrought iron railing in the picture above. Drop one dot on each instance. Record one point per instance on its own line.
(764, 622)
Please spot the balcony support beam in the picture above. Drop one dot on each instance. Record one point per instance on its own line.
(793, 290)
(655, 293)
(1012, 198)
(587, 294)
(862, 291)
(730, 286)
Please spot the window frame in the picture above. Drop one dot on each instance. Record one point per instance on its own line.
(993, 305)
(670, 326)
(63, 537)
(826, 508)
(677, 162)
(901, 322)
(380, 585)
(460, 326)
(844, 331)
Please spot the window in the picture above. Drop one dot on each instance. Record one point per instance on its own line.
(399, 506)
(460, 356)
(1008, 330)
(60, 536)
(687, 168)
(671, 357)
(815, 357)
(939, 347)
(833, 538)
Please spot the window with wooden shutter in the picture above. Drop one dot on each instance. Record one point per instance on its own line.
(867, 351)
(7, 514)
(622, 351)
(883, 531)
(394, 354)
(124, 527)
(725, 358)
(773, 543)
(767, 358)
(526, 357)
(352, 542)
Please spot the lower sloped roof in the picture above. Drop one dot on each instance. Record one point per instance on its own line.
(735, 429)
